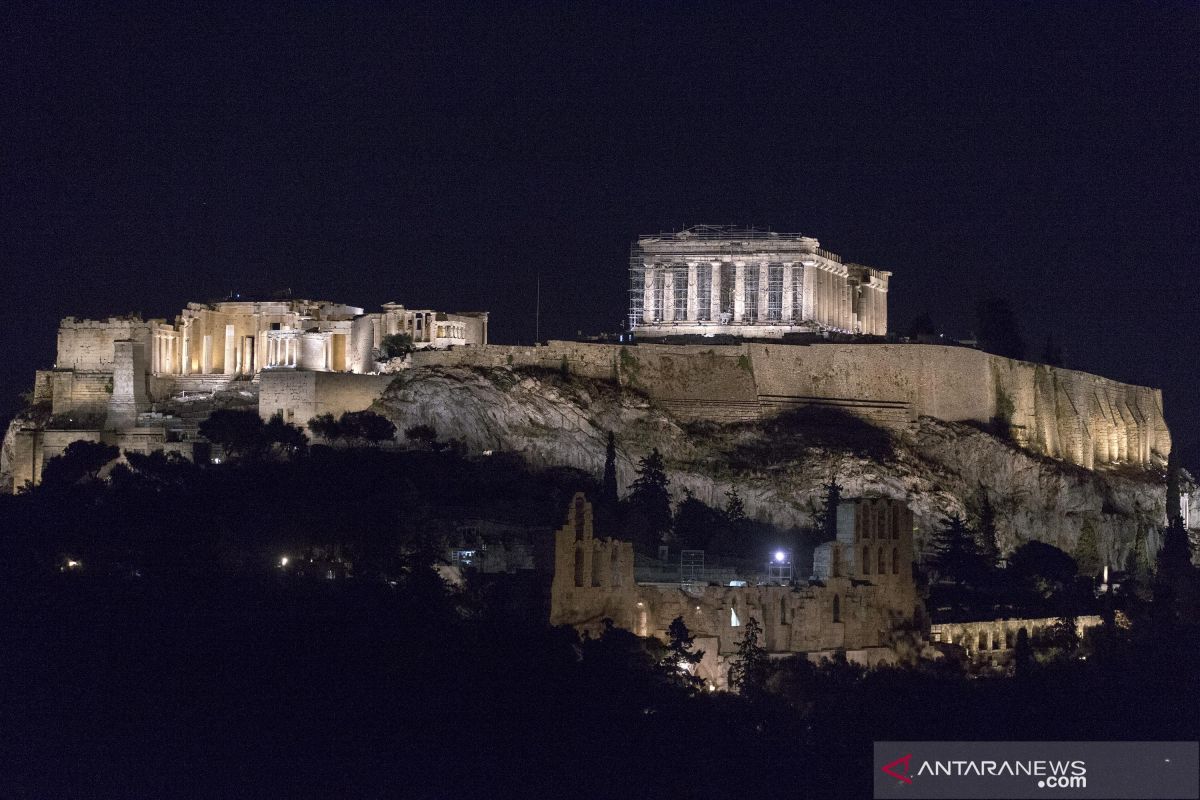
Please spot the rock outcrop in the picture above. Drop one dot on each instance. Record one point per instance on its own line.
(779, 467)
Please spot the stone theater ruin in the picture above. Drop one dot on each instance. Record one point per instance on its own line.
(858, 598)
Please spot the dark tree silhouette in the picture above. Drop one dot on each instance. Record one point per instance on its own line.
(1173, 496)
(239, 431)
(289, 437)
(989, 546)
(80, 461)
(396, 345)
(326, 426)
(679, 655)
(697, 523)
(650, 501)
(367, 426)
(957, 556)
(608, 486)
(826, 517)
(748, 673)
(1023, 655)
(423, 436)
(997, 329)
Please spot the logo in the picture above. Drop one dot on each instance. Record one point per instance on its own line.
(902, 760)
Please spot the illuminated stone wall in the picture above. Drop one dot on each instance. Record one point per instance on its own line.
(853, 608)
(1076, 416)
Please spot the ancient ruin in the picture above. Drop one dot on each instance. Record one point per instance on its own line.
(143, 385)
(858, 596)
(709, 280)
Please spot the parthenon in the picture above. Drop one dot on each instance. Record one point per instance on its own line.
(709, 280)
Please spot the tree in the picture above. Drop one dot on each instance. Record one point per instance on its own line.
(289, 437)
(423, 436)
(1173, 496)
(650, 500)
(748, 674)
(367, 426)
(735, 509)
(826, 517)
(326, 426)
(696, 523)
(240, 431)
(680, 656)
(957, 556)
(396, 345)
(1064, 634)
(1046, 571)
(1022, 655)
(996, 328)
(608, 488)
(1175, 577)
(989, 545)
(80, 461)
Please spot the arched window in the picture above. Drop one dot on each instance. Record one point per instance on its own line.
(614, 573)
(837, 609)
(578, 517)
(866, 561)
(597, 562)
(880, 566)
(981, 642)
(896, 522)
(783, 611)
(579, 566)
(895, 561)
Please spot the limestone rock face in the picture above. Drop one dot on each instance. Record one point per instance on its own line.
(937, 467)
(7, 455)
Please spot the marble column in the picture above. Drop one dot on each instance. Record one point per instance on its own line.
(739, 292)
(764, 279)
(692, 289)
(648, 296)
(668, 299)
(715, 313)
(785, 313)
(185, 346)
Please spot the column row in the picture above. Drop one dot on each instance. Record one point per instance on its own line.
(746, 293)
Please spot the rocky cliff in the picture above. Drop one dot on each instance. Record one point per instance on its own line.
(779, 466)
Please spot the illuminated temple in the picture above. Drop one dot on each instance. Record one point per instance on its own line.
(709, 280)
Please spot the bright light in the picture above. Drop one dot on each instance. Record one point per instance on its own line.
(283, 562)
(780, 556)
(72, 563)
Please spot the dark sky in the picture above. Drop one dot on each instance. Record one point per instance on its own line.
(444, 156)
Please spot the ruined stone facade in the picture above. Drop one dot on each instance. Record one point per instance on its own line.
(993, 640)
(109, 375)
(711, 280)
(859, 598)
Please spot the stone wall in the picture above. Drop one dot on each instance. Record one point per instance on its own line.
(87, 345)
(995, 638)
(30, 446)
(1076, 416)
(300, 396)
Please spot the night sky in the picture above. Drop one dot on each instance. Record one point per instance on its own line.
(444, 157)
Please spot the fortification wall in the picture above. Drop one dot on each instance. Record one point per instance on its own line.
(1085, 419)
(80, 393)
(87, 345)
(299, 396)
